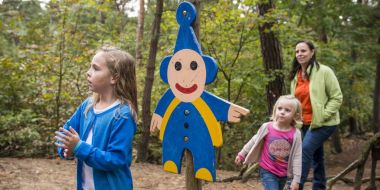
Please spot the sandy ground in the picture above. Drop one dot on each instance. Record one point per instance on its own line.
(57, 174)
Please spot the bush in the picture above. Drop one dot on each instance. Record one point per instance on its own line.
(21, 134)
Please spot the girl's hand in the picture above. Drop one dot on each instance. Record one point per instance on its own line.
(294, 186)
(69, 139)
(68, 154)
(239, 160)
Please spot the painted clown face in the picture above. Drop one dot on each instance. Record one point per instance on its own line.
(187, 75)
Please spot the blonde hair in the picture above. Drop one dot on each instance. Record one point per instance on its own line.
(122, 68)
(296, 106)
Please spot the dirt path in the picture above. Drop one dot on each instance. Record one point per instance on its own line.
(54, 174)
(57, 174)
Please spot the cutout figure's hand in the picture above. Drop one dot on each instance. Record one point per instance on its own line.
(236, 112)
(156, 122)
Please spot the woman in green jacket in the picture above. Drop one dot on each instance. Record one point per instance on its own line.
(317, 88)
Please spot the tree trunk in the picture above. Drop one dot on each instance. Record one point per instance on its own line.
(335, 142)
(270, 49)
(61, 48)
(140, 32)
(352, 126)
(372, 185)
(352, 123)
(142, 151)
(376, 101)
(102, 15)
(335, 138)
(193, 183)
(376, 107)
(376, 120)
(196, 23)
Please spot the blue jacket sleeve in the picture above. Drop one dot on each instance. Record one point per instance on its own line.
(74, 122)
(218, 106)
(164, 102)
(119, 149)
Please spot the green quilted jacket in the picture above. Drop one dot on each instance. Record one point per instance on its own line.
(325, 95)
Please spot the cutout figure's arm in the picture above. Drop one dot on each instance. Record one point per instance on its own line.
(224, 110)
(164, 102)
(161, 108)
(218, 106)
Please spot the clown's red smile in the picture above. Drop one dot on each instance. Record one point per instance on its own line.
(186, 90)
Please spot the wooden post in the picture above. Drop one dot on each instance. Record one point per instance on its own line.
(193, 183)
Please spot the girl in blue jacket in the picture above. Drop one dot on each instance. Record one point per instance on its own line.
(100, 133)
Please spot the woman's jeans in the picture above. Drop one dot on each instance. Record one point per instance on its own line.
(312, 154)
(271, 181)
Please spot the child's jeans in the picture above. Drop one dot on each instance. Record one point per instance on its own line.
(271, 181)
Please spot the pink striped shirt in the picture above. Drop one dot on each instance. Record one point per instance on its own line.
(276, 150)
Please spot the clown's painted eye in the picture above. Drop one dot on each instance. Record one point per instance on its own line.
(193, 65)
(178, 66)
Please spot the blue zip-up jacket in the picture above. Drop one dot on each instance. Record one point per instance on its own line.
(110, 154)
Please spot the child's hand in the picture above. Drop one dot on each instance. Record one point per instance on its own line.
(239, 160)
(235, 112)
(69, 139)
(294, 186)
(68, 154)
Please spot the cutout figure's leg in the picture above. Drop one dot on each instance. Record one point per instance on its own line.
(204, 163)
(172, 156)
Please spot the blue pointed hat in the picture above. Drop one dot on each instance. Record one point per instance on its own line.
(186, 39)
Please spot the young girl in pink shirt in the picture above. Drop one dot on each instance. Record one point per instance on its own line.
(277, 146)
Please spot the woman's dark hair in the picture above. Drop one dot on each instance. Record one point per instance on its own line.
(313, 61)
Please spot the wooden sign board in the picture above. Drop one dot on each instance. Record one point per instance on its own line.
(187, 115)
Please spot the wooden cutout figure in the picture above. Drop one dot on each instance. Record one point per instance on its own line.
(187, 115)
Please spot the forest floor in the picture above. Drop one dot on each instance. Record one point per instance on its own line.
(57, 174)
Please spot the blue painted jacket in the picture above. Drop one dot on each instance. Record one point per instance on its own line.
(210, 107)
(110, 154)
